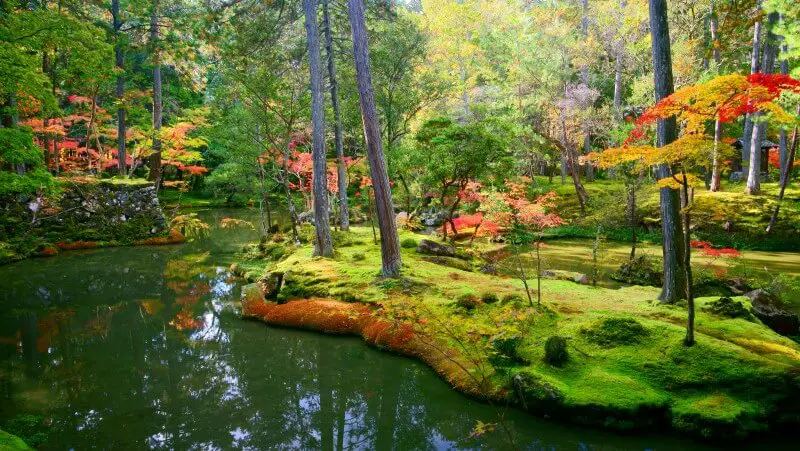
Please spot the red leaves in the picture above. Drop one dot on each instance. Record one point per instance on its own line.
(708, 251)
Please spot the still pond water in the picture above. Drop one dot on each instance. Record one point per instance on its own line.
(143, 348)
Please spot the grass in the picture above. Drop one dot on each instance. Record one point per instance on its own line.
(12, 442)
(739, 377)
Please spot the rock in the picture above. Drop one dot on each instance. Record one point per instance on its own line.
(401, 219)
(251, 295)
(737, 177)
(770, 311)
(432, 217)
(271, 284)
(488, 269)
(429, 247)
(572, 276)
(534, 392)
(306, 217)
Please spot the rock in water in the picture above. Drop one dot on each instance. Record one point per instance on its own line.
(270, 284)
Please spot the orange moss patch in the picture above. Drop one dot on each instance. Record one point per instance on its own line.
(48, 252)
(75, 245)
(175, 237)
(342, 318)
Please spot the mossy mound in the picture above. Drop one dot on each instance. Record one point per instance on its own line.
(610, 332)
(728, 308)
(12, 442)
(627, 368)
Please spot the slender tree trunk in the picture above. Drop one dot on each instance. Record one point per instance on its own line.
(667, 131)
(46, 122)
(119, 56)
(687, 260)
(390, 243)
(324, 244)
(755, 61)
(287, 191)
(716, 182)
(587, 139)
(760, 127)
(784, 179)
(155, 158)
(344, 215)
(783, 144)
(632, 217)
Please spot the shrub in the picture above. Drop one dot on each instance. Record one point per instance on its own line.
(611, 332)
(555, 350)
(408, 243)
(468, 301)
(728, 308)
(639, 271)
(357, 257)
(489, 298)
(506, 351)
(513, 298)
(278, 237)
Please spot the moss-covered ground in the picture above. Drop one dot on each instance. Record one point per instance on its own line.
(747, 216)
(627, 366)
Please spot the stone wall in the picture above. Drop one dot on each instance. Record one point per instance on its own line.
(86, 213)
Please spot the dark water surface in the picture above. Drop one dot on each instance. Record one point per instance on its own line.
(143, 348)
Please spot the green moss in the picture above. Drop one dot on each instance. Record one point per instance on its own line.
(728, 308)
(627, 365)
(409, 243)
(12, 442)
(611, 332)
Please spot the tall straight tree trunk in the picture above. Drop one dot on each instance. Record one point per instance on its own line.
(119, 62)
(667, 131)
(344, 214)
(783, 143)
(760, 127)
(46, 122)
(784, 179)
(620, 56)
(390, 243)
(587, 140)
(324, 245)
(755, 61)
(155, 158)
(716, 183)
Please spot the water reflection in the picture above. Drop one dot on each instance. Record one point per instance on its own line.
(143, 348)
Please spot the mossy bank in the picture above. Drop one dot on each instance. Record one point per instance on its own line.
(617, 359)
(84, 213)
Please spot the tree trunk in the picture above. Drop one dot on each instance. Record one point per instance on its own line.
(667, 132)
(760, 127)
(287, 191)
(324, 245)
(155, 158)
(46, 122)
(754, 68)
(632, 217)
(390, 243)
(344, 215)
(716, 183)
(687, 257)
(783, 144)
(784, 179)
(587, 140)
(120, 92)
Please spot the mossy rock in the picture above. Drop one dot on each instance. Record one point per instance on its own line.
(717, 416)
(538, 393)
(728, 308)
(450, 262)
(612, 332)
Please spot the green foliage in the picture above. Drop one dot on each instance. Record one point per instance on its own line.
(18, 150)
(489, 298)
(468, 301)
(30, 428)
(611, 332)
(357, 257)
(408, 243)
(555, 350)
(639, 271)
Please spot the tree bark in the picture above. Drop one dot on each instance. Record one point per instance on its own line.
(760, 127)
(716, 183)
(390, 243)
(667, 131)
(754, 68)
(687, 263)
(323, 245)
(784, 179)
(783, 144)
(587, 139)
(155, 157)
(344, 215)
(120, 92)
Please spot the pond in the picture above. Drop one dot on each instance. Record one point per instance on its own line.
(143, 348)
